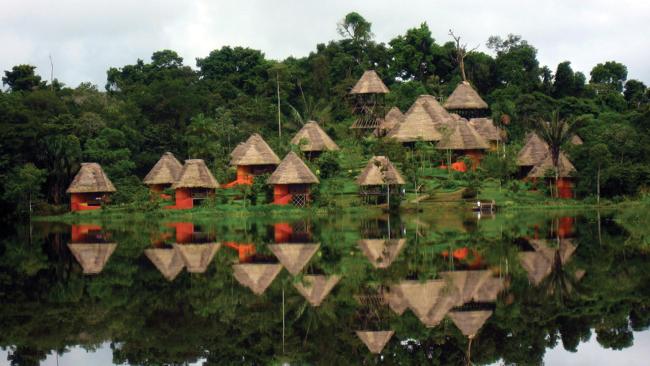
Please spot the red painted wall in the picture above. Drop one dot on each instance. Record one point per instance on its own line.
(78, 201)
(281, 195)
(184, 231)
(80, 232)
(245, 251)
(282, 232)
(565, 188)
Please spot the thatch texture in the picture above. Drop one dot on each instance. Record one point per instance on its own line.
(90, 179)
(392, 119)
(292, 170)
(446, 301)
(576, 140)
(315, 288)
(395, 300)
(566, 169)
(255, 151)
(465, 97)
(375, 340)
(490, 290)
(539, 264)
(419, 123)
(470, 322)
(380, 171)
(381, 252)
(256, 276)
(92, 257)
(314, 138)
(195, 174)
(437, 112)
(459, 135)
(166, 171)
(168, 261)
(421, 297)
(533, 152)
(486, 128)
(467, 284)
(294, 257)
(197, 257)
(369, 83)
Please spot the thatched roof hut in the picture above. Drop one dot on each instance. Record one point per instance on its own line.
(459, 135)
(369, 83)
(395, 300)
(315, 138)
(256, 276)
(197, 257)
(576, 140)
(446, 301)
(486, 128)
(466, 283)
(566, 169)
(255, 151)
(92, 257)
(166, 171)
(490, 290)
(294, 257)
(381, 252)
(390, 120)
(375, 340)
(419, 122)
(91, 179)
(380, 171)
(195, 174)
(465, 97)
(533, 152)
(168, 261)
(292, 170)
(539, 264)
(470, 322)
(315, 288)
(421, 297)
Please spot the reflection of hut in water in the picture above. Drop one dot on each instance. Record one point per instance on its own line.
(467, 284)
(92, 257)
(466, 257)
(89, 188)
(163, 174)
(294, 232)
(390, 120)
(315, 288)
(540, 263)
(245, 251)
(252, 158)
(167, 260)
(381, 252)
(375, 340)
(292, 181)
(189, 233)
(470, 322)
(256, 276)
(313, 140)
(197, 257)
(379, 179)
(420, 297)
(368, 100)
(194, 185)
(87, 233)
(294, 257)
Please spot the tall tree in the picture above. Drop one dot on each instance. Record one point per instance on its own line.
(22, 78)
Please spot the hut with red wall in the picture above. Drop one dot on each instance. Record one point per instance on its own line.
(194, 184)
(291, 182)
(90, 188)
(533, 153)
(460, 138)
(165, 173)
(251, 158)
(546, 170)
(313, 140)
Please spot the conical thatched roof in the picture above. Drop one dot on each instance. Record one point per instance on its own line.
(91, 179)
(392, 119)
(292, 170)
(576, 140)
(92, 257)
(459, 135)
(446, 301)
(486, 128)
(256, 276)
(369, 83)
(197, 257)
(533, 152)
(294, 257)
(490, 290)
(166, 171)
(566, 168)
(315, 137)
(380, 171)
(420, 296)
(419, 123)
(437, 113)
(539, 264)
(375, 340)
(195, 174)
(381, 252)
(395, 300)
(465, 97)
(315, 288)
(168, 261)
(466, 283)
(470, 322)
(255, 151)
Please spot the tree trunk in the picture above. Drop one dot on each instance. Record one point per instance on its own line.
(598, 186)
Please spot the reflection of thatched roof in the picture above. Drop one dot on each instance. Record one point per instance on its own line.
(315, 288)
(392, 119)
(195, 174)
(381, 252)
(446, 301)
(466, 283)
(315, 138)
(470, 322)
(166, 171)
(459, 135)
(490, 290)
(90, 179)
(420, 296)
(197, 257)
(486, 128)
(369, 83)
(395, 300)
(380, 171)
(168, 261)
(533, 152)
(465, 97)
(292, 170)
(539, 264)
(255, 151)
(565, 167)
(256, 276)
(375, 340)
(419, 123)
(294, 257)
(92, 257)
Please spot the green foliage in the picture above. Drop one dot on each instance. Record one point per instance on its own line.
(22, 188)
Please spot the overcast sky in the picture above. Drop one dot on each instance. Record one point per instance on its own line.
(86, 37)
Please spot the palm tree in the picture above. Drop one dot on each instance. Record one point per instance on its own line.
(556, 132)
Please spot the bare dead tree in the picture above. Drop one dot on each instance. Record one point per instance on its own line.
(461, 53)
(51, 73)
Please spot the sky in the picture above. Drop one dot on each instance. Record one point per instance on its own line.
(84, 38)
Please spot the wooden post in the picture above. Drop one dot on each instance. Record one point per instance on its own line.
(277, 84)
